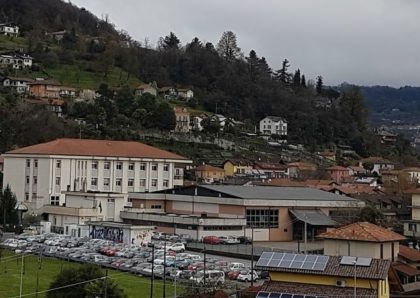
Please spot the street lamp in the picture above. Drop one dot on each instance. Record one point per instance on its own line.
(355, 277)
(153, 271)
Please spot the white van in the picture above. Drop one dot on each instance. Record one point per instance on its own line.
(236, 266)
(212, 277)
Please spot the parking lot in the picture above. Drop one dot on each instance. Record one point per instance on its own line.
(175, 263)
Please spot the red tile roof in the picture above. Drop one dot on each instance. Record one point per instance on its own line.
(337, 168)
(282, 182)
(362, 231)
(410, 254)
(405, 269)
(102, 148)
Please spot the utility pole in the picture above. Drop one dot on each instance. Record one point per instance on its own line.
(37, 274)
(204, 279)
(252, 256)
(153, 271)
(106, 284)
(21, 277)
(164, 270)
(355, 278)
(306, 236)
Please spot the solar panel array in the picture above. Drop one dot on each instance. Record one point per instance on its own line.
(360, 261)
(293, 261)
(284, 295)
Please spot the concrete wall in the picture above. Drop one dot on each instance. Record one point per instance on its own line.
(360, 249)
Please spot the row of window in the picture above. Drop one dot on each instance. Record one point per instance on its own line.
(222, 228)
(262, 218)
(118, 182)
(28, 180)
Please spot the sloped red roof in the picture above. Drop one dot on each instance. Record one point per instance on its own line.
(362, 231)
(102, 148)
(410, 254)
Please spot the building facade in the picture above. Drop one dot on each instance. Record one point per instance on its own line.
(272, 125)
(41, 174)
(275, 213)
(182, 117)
(9, 30)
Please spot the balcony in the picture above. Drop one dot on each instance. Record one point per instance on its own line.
(414, 286)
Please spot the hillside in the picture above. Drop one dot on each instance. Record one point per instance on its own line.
(90, 53)
(394, 104)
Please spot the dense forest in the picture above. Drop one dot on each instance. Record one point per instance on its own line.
(224, 79)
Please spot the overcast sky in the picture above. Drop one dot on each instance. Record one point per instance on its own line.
(366, 42)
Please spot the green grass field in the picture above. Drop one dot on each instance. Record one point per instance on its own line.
(10, 269)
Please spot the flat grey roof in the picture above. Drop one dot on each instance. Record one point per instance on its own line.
(277, 193)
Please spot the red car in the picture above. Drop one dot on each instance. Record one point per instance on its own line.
(233, 275)
(212, 240)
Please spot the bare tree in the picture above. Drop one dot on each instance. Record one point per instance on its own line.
(228, 47)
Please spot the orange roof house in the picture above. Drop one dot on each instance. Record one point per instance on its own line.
(362, 239)
(209, 173)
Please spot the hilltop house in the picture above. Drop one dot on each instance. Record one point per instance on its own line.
(54, 105)
(271, 170)
(19, 84)
(167, 92)
(185, 93)
(338, 173)
(9, 29)
(300, 169)
(235, 166)
(272, 125)
(182, 120)
(209, 174)
(146, 88)
(57, 35)
(44, 89)
(16, 60)
(377, 164)
(197, 123)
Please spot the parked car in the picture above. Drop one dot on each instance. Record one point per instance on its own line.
(233, 275)
(234, 266)
(229, 240)
(212, 240)
(186, 238)
(177, 247)
(247, 276)
(244, 240)
(212, 276)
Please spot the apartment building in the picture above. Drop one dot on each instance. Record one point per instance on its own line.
(40, 174)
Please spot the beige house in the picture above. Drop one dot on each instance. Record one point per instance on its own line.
(209, 174)
(146, 88)
(185, 93)
(182, 120)
(412, 226)
(362, 239)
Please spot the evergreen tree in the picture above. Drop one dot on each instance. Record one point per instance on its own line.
(303, 81)
(282, 74)
(8, 203)
(296, 79)
(170, 41)
(319, 85)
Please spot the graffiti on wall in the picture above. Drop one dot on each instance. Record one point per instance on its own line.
(107, 233)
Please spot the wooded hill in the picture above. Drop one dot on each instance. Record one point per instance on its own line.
(224, 79)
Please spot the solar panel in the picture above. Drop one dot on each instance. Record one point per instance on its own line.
(347, 260)
(266, 255)
(364, 262)
(263, 294)
(293, 261)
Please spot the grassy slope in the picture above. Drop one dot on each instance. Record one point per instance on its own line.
(10, 278)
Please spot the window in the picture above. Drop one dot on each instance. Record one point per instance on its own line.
(131, 166)
(130, 182)
(57, 181)
(58, 164)
(35, 163)
(165, 183)
(94, 181)
(156, 207)
(142, 167)
(28, 163)
(119, 165)
(154, 167)
(35, 180)
(26, 196)
(412, 227)
(118, 182)
(154, 182)
(106, 181)
(262, 218)
(34, 196)
(142, 182)
(166, 167)
(94, 165)
(107, 165)
(27, 180)
(55, 200)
